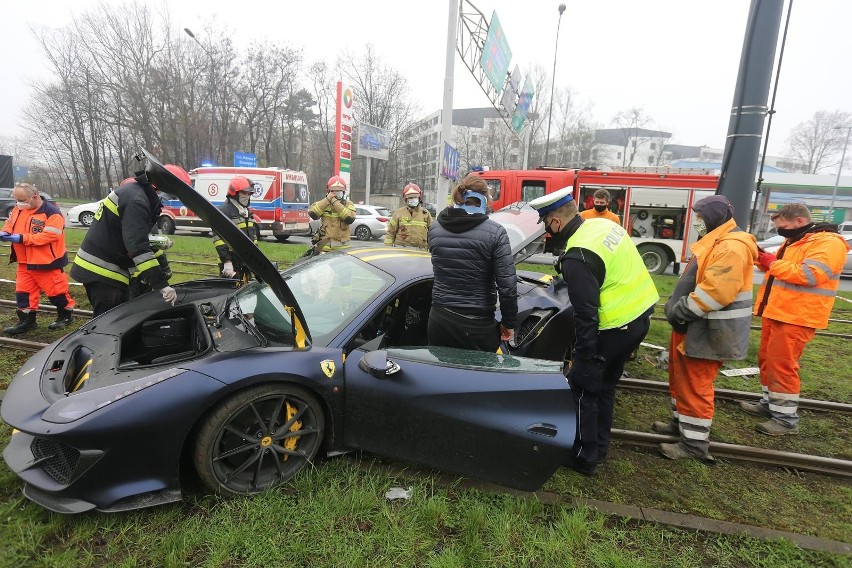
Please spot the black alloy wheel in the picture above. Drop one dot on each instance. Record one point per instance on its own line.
(259, 438)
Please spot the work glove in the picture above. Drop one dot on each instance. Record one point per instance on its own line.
(587, 372)
(506, 334)
(12, 238)
(4, 234)
(764, 259)
(679, 315)
(228, 270)
(169, 295)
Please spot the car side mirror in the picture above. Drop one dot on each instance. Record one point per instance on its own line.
(377, 365)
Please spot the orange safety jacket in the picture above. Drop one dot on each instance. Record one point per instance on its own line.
(607, 214)
(799, 288)
(43, 244)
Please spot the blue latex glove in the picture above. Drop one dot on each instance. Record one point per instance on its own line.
(13, 238)
(3, 234)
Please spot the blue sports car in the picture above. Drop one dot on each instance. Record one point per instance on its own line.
(245, 385)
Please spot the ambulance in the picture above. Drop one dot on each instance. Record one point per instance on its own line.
(280, 200)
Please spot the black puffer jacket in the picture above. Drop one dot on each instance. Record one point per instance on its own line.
(469, 254)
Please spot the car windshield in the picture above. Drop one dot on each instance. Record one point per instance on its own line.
(332, 289)
(382, 212)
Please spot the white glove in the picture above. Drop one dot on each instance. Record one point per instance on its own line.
(169, 294)
(228, 269)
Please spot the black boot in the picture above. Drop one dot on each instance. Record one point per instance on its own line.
(26, 323)
(63, 319)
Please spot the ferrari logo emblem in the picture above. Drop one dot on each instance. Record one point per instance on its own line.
(327, 367)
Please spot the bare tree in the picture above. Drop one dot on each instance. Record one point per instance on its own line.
(817, 142)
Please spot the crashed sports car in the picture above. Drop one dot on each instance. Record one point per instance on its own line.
(245, 385)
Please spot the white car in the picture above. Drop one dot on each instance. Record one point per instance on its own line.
(83, 214)
(371, 222)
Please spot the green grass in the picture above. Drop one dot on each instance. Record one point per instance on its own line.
(336, 515)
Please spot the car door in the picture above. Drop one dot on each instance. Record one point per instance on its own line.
(499, 418)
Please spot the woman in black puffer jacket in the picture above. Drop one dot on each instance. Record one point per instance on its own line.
(473, 265)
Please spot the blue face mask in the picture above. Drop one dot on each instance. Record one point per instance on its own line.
(473, 209)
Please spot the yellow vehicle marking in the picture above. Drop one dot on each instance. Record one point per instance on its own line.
(397, 255)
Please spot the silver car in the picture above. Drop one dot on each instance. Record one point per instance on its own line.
(371, 222)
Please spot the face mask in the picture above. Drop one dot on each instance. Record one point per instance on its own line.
(795, 233)
(700, 227)
(25, 204)
(600, 208)
(473, 209)
(412, 202)
(550, 230)
(338, 194)
(244, 199)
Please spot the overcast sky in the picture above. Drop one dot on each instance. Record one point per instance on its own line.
(676, 59)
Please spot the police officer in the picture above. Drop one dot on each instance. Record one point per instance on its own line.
(36, 230)
(409, 225)
(118, 241)
(613, 298)
(236, 208)
(336, 214)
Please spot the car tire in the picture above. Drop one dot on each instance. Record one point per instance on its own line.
(282, 238)
(86, 218)
(655, 258)
(363, 233)
(240, 448)
(166, 225)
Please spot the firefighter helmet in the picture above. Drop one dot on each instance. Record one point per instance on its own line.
(411, 190)
(336, 183)
(239, 184)
(127, 180)
(179, 173)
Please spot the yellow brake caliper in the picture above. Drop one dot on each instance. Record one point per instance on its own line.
(290, 443)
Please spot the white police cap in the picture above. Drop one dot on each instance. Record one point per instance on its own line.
(552, 201)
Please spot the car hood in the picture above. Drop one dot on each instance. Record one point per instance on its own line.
(525, 232)
(263, 269)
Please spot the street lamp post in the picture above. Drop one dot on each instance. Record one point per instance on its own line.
(839, 169)
(213, 149)
(552, 85)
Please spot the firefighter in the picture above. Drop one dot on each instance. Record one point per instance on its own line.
(613, 298)
(409, 225)
(710, 314)
(795, 299)
(236, 208)
(118, 241)
(36, 230)
(600, 208)
(336, 213)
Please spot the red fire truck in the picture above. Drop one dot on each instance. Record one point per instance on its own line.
(280, 200)
(654, 206)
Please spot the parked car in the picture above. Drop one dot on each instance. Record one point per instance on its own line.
(247, 384)
(847, 268)
(371, 222)
(772, 243)
(7, 202)
(83, 214)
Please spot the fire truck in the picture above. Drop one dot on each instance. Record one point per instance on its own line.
(654, 206)
(280, 200)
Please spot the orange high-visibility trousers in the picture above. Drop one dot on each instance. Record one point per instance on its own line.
(30, 283)
(781, 346)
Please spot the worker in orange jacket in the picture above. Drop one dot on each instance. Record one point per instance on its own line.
(710, 314)
(600, 208)
(795, 299)
(36, 230)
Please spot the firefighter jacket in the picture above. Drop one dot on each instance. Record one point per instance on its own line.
(607, 214)
(627, 291)
(799, 288)
(713, 297)
(118, 240)
(336, 215)
(43, 244)
(409, 226)
(243, 218)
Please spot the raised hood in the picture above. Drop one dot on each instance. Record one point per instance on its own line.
(251, 256)
(525, 232)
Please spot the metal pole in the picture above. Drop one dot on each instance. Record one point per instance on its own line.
(839, 169)
(443, 185)
(367, 195)
(553, 85)
(532, 117)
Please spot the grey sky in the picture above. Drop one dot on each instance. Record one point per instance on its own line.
(677, 59)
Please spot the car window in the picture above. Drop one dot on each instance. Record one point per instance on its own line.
(359, 211)
(383, 212)
(470, 359)
(5, 192)
(332, 290)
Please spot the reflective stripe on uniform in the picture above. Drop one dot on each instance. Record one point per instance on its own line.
(731, 314)
(56, 230)
(807, 289)
(101, 267)
(705, 422)
(111, 203)
(707, 299)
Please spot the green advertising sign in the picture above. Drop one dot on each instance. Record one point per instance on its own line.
(496, 54)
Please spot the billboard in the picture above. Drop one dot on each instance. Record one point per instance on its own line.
(450, 162)
(524, 103)
(373, 142)
(343, 131)
(510, 93)
(496, 54)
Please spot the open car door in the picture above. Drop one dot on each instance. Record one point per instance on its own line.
(504, 419)
(251, 256)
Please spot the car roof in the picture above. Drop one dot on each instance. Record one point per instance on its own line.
(395, 260)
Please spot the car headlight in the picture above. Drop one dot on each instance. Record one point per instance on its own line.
(77, 405)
